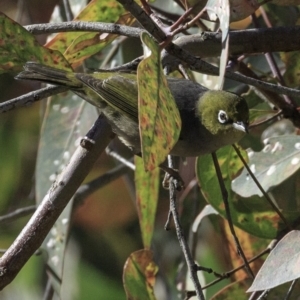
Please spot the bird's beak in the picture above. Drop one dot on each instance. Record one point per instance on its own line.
(241, 126)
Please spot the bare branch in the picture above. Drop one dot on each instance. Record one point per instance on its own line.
(81, 26)
(248, 41)
(30, 98)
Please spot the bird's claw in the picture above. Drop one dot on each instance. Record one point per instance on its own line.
(173, 174)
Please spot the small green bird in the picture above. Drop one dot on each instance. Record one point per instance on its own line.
(210, 119)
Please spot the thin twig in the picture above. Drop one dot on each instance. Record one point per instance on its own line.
(201, 66)
(30, 98)
(121, 159)
(228, 214)
(291, 288)
(262, 296)
(127, 67)
(270, 58)
(209, 271)
(192, 267)
(261, 188)
(18, 213)
(229, 273)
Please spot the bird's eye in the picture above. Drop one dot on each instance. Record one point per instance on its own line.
(222, 117)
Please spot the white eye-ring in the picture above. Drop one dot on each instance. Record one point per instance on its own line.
(222, 117)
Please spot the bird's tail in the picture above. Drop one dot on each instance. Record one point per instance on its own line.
(39, 72)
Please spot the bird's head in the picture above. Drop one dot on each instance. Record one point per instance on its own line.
(223, 112)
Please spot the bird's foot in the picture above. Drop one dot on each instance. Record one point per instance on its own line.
(174, 175)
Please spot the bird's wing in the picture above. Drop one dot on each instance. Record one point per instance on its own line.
(118, 91)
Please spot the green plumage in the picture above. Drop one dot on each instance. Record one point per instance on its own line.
(210, 119)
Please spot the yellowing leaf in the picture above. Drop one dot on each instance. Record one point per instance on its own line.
(18, 46)
(77, 46)
(147, 187)
(139, 276)
(159, 118)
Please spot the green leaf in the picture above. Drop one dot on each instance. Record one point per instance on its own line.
(18, 46)
(147, 187)
(139, 276)
(253, 215)
(159, 119)
(278, 160)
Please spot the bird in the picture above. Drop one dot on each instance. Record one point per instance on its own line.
(210, 119)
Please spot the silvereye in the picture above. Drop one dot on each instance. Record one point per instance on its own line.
(210, 119)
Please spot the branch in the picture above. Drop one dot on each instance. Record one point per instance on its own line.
(30, 98)
(196, 64)
(54, 202)
(143, 19)
(248, 41)
(80, 26)
(18, 213)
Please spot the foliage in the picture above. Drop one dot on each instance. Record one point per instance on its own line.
(101, 225)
